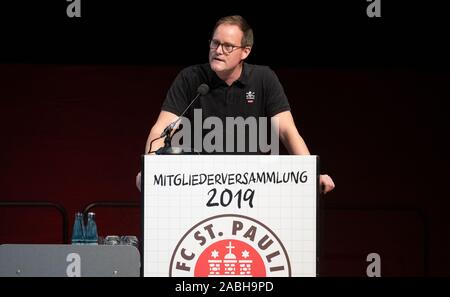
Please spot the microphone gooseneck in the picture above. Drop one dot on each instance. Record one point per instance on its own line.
(202, 90)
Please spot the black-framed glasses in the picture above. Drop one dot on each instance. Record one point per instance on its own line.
(227, 48)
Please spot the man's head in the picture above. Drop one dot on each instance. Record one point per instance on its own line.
(230, 44)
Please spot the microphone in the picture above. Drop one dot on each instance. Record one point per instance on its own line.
(167, 149)
(202, 89)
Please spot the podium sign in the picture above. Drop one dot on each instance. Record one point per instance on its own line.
(229, 215)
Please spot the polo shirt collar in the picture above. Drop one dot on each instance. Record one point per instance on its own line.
(215, 81)
(243, 79)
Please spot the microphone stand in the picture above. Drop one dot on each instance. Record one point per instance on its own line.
(168, 149)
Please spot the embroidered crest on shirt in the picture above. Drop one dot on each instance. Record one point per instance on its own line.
(250, 97)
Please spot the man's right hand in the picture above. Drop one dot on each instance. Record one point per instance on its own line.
(138, 181)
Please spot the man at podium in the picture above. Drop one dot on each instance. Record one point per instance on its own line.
(227, 88)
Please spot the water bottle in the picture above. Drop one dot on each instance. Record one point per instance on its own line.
(78, 232)
(91, 230)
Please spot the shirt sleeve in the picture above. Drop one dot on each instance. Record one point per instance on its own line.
(177, 96)
(276, 99)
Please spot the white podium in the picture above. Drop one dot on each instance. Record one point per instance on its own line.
(229, 215)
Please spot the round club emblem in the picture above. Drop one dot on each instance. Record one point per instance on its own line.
(230, 245)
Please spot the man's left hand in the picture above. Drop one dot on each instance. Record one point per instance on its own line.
(326, 183)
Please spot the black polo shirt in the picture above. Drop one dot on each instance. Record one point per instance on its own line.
(257, 93)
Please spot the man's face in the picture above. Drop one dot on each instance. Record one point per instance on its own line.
(230, 36)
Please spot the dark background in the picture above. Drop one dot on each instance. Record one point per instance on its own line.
(79, 96)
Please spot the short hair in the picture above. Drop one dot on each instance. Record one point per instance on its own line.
(247, 39)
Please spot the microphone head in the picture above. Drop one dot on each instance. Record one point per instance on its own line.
(203, 89)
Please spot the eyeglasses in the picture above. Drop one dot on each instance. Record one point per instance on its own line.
(226, 47)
